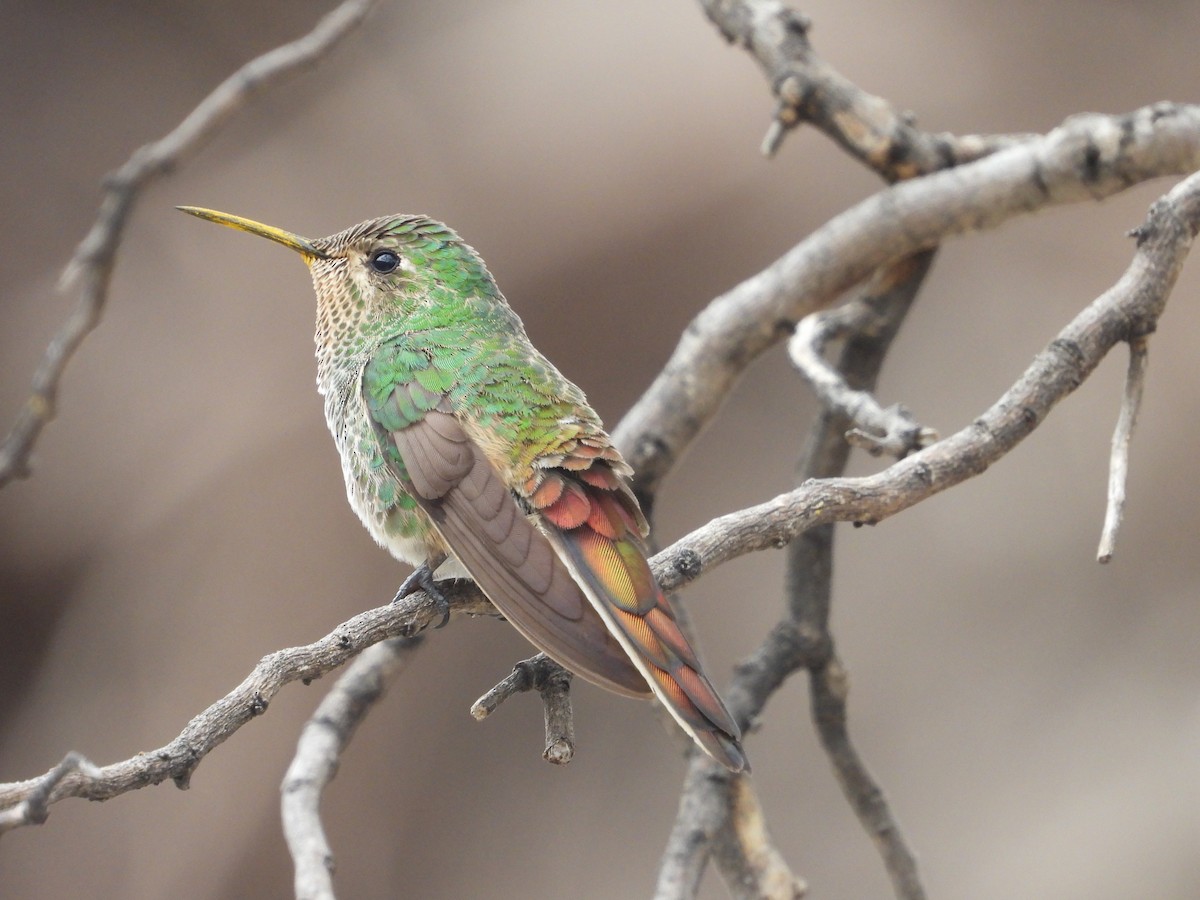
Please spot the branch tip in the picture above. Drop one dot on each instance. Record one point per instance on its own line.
(1118, 465)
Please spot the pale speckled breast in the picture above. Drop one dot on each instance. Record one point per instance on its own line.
(374, 494)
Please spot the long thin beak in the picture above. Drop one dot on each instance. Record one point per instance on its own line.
(301, 245)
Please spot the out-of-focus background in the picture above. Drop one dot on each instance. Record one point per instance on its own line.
(1033, 717)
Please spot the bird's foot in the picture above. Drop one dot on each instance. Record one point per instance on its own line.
(421, 579)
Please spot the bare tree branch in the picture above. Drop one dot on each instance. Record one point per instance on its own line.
(92, 262)
(1129, 309)
(809, 90)
(318, 754)
(178, 759)
(872, 131)
(1118, 471)
(1087, 158)
(712, 355)
(801, 639)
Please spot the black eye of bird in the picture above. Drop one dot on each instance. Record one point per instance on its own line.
(384, 261)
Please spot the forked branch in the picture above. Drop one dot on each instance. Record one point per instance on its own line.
(1129, 308)
(1087, 158)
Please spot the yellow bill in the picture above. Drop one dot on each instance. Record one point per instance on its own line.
(301, 245)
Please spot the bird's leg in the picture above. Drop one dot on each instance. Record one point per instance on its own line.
(421, 579)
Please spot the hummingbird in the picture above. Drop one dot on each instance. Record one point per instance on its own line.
(467, 453)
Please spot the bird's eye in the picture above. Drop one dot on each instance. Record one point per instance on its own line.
(384, 261)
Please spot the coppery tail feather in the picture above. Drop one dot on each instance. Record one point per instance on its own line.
(598, 529)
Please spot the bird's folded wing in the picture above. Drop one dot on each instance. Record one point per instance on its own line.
(509, 558)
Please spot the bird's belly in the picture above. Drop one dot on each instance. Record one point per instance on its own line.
(409, 549)
(405, 532)
(377, 496)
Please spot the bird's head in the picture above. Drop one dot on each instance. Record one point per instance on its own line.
(382, 277)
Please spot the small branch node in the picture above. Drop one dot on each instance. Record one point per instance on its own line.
(35, 808)
(773, 138)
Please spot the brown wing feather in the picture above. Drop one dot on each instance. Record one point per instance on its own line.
(511, 561)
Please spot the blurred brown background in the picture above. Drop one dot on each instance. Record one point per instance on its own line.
(1033, 717)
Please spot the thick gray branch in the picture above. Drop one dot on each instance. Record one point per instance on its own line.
(1127, 310)
(1089, 157)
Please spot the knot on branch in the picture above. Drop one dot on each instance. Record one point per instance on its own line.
(689, 565)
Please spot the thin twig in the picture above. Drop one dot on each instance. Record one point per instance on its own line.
(553, 683)
(1118, 467)
(92, 263)
(318, 753)
(35, 808)
(878, 430)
